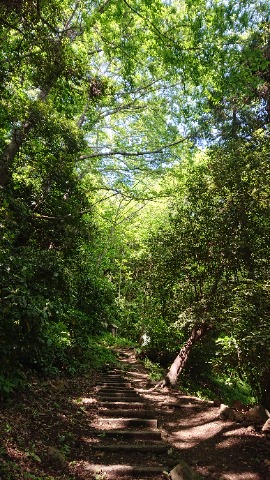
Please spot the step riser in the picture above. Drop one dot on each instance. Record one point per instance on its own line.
(117, 389)
(114, 385)
(124, 413)
(123, 471)
(114, 394)
(123, 393)
(132, 448)
(117, 393)
(122, 405)
(132, 435)
(128, 422)
(113, 379)
(111, 398)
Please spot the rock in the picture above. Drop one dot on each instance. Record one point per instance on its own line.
(266, 426)
(257, 414)
(56, 455)
(226, 413)
(239, 417)
(239, 406)
(58, 385)
(182, 471)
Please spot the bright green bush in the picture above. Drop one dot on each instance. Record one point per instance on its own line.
(111, 340)
(156, 372)
(163, 338)
(99, 355)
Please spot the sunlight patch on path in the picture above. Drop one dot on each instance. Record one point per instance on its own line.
(193, 436)
(240, 476)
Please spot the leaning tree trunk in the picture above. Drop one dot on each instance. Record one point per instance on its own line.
(179, 363)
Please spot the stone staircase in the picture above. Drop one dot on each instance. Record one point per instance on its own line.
(129, 443)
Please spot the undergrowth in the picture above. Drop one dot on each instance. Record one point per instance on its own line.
(109, 340)
(91, 355)
(155, 371)
(227, 389)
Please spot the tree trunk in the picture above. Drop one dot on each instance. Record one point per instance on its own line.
(16, 141)
(19, 134)
(179, 363)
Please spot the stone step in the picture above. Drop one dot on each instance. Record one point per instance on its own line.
(114, 371)
(112, 378)
(126, 433)
(116, 389)
(135, 435)
(122, 471)
(114, 384)
(128, 422)
(120, 394)
(122, 405)
(113, 398)
(123, 413)
(126, 447)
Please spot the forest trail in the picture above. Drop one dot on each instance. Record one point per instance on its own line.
(138, 432)
(125, 439)
(114, 425)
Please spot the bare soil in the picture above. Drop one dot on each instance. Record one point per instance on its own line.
(44, 431)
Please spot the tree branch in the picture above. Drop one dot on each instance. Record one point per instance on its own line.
(129, 106)
(68, 22)
(61, 217)
(160, 33)
(103, 7)
(53, 29)
(133, 154)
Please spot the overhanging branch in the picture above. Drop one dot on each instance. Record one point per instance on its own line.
(124, 153)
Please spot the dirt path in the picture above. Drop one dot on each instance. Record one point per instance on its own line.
(192, 431)
(216, 449)
(61, 430)
(123, 439)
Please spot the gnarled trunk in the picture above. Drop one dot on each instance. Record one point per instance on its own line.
(179, 363)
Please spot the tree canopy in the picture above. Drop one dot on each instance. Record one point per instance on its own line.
(134, 182)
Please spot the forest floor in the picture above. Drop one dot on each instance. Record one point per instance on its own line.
(42, 431)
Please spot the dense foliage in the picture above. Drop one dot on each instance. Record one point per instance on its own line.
(208, 264)
(134, 184)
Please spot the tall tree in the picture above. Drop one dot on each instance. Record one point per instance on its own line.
(99, 96)
(213, 250)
